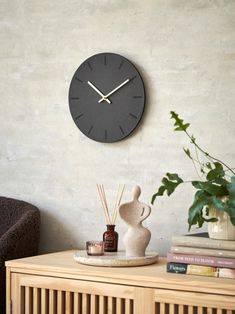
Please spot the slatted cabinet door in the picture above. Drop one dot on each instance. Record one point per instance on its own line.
(178, 302)
(32, 294)
(55, 284)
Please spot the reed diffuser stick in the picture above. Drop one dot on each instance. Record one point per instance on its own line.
(105, 201)
(105, 209)
(115, 205)
(110, 219)
(118, 203)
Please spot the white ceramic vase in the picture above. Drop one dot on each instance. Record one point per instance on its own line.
(137, 237)
(223, 229)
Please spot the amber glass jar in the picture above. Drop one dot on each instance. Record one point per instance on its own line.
(110, 238)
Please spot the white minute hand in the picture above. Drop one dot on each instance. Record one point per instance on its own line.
(114, 90)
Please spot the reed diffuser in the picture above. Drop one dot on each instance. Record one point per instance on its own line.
(110, 236)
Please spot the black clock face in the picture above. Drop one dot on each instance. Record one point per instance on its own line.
(106, 97)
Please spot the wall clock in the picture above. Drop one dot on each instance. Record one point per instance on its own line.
(106, 97)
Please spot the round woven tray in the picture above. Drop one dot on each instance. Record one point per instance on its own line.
(117, 259)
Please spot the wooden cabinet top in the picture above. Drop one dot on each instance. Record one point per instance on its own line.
(61, 264)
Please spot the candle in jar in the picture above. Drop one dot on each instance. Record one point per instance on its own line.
(95, 248)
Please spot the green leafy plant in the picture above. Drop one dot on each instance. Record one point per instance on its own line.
(216, 181)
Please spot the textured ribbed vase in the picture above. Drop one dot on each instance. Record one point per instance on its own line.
(137, 237)
(223, 229)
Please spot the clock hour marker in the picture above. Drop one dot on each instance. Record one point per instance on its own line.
(89, 65)
(132, 115)
(106, 97)
(91, 127)
(120, 127)
(78, 79)
(132, 78)
(120, 65)
(78, 117)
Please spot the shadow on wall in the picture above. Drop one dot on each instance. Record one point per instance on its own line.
(55, 235)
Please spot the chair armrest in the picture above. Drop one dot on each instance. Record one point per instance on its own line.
(22, 238)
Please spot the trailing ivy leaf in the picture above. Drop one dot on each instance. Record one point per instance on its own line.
(179, 123)
(217, 172)
(169, 184)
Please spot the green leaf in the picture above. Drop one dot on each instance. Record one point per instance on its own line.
(179, 123)
(219, 204)
(193, 139)
(183, 127)
(160, 192)
(226, 206)
(199, 194)
(174, 177)
(195, 214)
(217, 172)
(208, 165)
(223, 182)
(169, 184)
(210, 188)
(213, 219)
(202, 170)
(231, 191)
(231, 213)
(231, 209)
(187, 152)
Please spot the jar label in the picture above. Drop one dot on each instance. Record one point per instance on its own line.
(109, 244)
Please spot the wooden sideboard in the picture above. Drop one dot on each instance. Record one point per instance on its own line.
(55, 284)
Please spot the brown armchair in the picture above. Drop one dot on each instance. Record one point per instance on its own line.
(19, 235)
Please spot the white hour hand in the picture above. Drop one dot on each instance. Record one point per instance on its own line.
(99, 92)
(114, 90)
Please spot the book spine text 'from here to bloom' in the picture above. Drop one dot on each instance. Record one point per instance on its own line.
(201, 260)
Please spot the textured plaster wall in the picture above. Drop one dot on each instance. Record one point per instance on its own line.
(185, 50)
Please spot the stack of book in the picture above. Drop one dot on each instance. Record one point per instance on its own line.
(197, 254)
